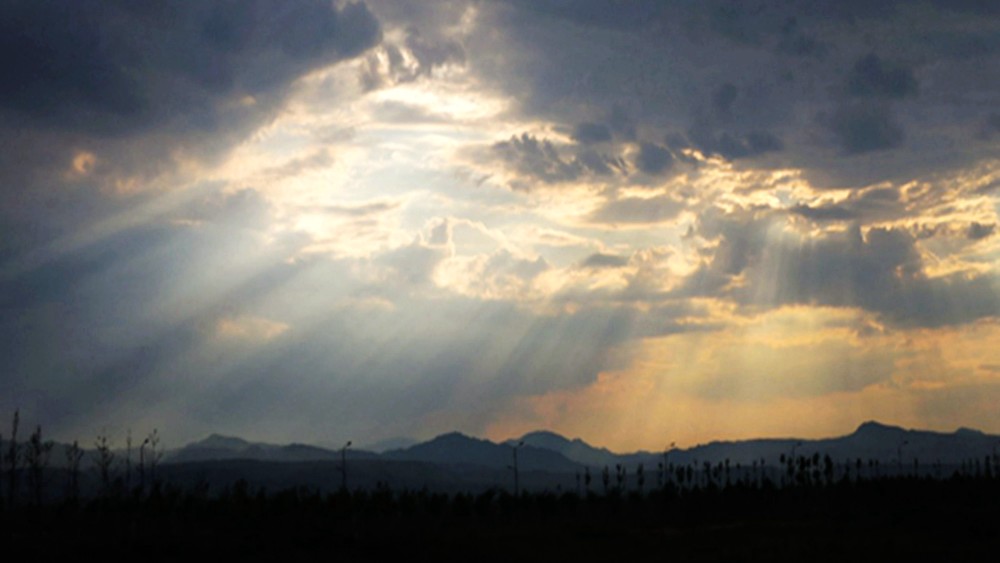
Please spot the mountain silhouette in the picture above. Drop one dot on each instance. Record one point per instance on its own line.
(547, 461)
(548, 451)
(575, 450)
(870, 441)
(390, 444)
(458, 449)
(217, 447)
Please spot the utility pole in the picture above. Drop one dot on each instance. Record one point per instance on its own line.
(343, 466)
(517, 483)
(666, 465)
(899, 457)
(142, 466)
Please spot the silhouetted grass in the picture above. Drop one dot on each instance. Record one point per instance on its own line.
(803, 509)
(884, 519)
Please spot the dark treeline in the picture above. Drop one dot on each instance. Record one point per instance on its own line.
(123, 504)
(886, 518)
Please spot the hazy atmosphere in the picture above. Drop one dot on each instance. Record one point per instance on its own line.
(635, 222)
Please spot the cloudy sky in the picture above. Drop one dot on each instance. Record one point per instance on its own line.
(636, 222)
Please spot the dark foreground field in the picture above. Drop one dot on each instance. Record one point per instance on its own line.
(885, 520)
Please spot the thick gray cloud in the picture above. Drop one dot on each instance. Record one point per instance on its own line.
(540, 160)
(600, 163)
(874, 204)
(881, 271)
(732, 147)
(114, 68)
(589, 133)
(653, 159)
(793, 41)
(132, 88)
(825, 212)
(639, 13)
(206, 307)
(136, 84)
(599, 261)
(872, 77)
(775, 84)
(865, 127)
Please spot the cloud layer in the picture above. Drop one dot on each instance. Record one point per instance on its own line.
(357, 220)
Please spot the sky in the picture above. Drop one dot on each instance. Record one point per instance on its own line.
(639, 222)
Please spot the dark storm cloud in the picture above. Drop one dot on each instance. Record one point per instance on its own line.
(962, 45)
(977, 7)
(713, 132)
(112, 68)
(588, 133)
(745, 23)
(621, 123)
(990, 126)
(865, 127)
(745, 81)
(598, 13)
(601, 164)
(722, 100)
(730, 19)
(795, 42)
(537, 158)
(653, 158)
(734, 147)
(134, 82)
(872, 77)
(540, 160)
(137, 87)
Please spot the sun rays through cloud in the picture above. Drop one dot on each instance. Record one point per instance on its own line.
(365, 220)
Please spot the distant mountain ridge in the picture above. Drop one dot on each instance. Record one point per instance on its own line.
(576, 449)
(544, 450)
(217, 447)
(872, 440)
(458, 449)
(397, 443)
(454, 462)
